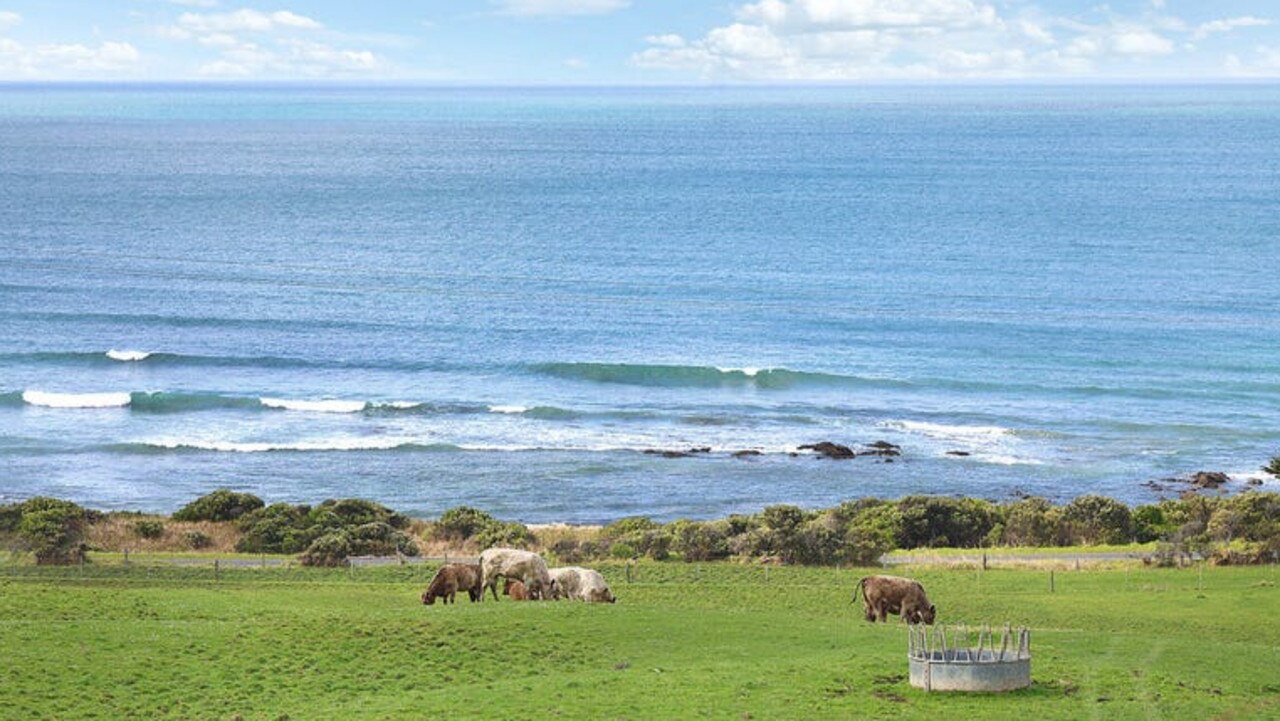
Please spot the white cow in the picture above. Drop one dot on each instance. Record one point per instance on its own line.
(580, 584)
(524, 566)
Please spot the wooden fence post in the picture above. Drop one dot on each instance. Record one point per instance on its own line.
(1051, 581)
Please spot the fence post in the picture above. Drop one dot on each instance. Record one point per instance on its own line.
(984, 560)
(1050, 580)
(628, 571)
(217, 573)
(1200, 579)
(126, 556)
(351, 568)
(766, 573)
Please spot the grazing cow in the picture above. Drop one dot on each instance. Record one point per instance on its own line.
(580, 584)
(451, 579)
(515, 590)
(516, 564)
(882, 595)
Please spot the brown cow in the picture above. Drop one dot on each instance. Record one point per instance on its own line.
(882, 595)
(451, 579)
(515, 589)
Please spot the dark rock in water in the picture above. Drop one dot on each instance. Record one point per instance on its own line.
(666, 454)
(1155, 486)
(1209, 479)
(882, 448)
(703, 449)
(747, 453)
(830, 450)
(1255, 481)
(959, 453)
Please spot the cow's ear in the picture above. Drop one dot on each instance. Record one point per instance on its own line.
(933, 609)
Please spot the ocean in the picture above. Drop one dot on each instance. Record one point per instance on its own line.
(501, 297)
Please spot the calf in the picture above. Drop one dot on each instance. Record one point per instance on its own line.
(882, 595)
(451, 579)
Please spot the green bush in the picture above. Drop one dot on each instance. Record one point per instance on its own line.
(1031, 522)
(505, 533)
(221, 505)
(623, 550)
(148, 529)
(279, 528)
(53, 530)
(1097, 519)
(629, 526)
(698, 540)
(935, 521)
(461, 523)
(1150, 524)
(1273, 467)
(197, 540)
(331, 549)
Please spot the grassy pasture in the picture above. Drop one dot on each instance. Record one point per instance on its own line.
(716, 641)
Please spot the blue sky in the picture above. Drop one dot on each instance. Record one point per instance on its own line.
(637, 41)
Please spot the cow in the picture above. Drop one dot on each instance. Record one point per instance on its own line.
(513, 563)
(515, 590)
(580, 584)
(451, 579)
(882, 595)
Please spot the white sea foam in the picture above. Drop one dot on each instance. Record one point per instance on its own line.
(128, 355)
(949, 432)
(76, 400)
(748, 372)
(1005, 460)
(401, 405)
(321, 406)
(508, 409)
(341, 443)
(1245, 476)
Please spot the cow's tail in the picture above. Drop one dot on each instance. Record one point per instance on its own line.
(856, 588)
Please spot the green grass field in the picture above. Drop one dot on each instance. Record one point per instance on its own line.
(684, 641)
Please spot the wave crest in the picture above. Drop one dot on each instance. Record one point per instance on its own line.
(76, 400)
(680, 376)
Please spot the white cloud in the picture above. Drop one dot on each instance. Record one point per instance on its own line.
(1140, 43)
(246, 20)
(278, 44)
(1228, 24)
(896, 39)
(814, 15)
(8, 19)
(61, 59)
(558, 7)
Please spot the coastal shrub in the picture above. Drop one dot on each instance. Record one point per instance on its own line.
(1030, 521)
(278, 528)
(331, 549)
(349, 512)
(628, 526)
(1256, 516)
(698, 540)
(785, 519)
(505, 533)
(570, 551)
(623, 550)
(934, 521)
(1273, 467)
(1097, 519)
(1150, 524)
(820, 541)
(148, 529)
(197, 540)
(461, 523)
(220, 505)
(380, 539)
(871, 532)
(53, 530)
(10, 517)
(466, 523)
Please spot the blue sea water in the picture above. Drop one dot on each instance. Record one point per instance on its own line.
(502, 297)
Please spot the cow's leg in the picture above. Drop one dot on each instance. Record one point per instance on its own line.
(882, 613)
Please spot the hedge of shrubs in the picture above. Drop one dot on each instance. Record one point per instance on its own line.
(1234, 529)
(1243, 528)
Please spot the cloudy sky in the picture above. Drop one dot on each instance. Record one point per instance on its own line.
(637, 41)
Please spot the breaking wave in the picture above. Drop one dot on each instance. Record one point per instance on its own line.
(678, 376)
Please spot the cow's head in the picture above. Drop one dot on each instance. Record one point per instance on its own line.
(428, 597)
(929, 614)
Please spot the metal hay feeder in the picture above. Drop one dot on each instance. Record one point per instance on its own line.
(939, 662)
